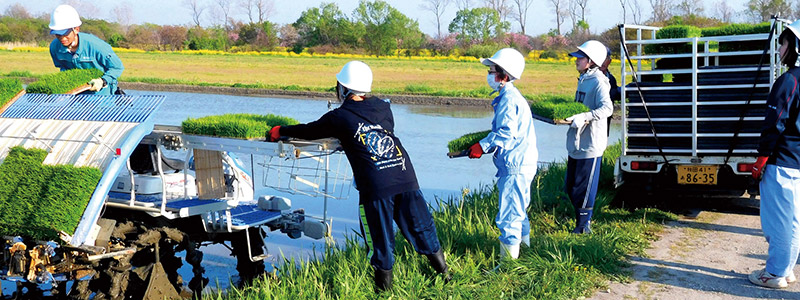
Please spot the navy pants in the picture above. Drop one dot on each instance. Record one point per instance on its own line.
(583, 176)
(410, 211)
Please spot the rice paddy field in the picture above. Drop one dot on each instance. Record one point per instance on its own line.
(391, 76)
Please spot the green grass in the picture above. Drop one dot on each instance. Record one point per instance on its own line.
(39, 200)
(465, 141)
(243, 126)
(557, 107)
(558, 265)
(63, 82)
(9, 87)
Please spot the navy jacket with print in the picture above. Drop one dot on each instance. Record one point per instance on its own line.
(780, 137)
(365, 129)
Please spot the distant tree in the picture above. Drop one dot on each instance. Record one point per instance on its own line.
(388, 28)
(123, 14)
(689, 7)
(199, 38)
(636, 11)
(17, 11)
(500, 6)
(624, 3)
(463, 4)
(326, 24)
(143, 36)
(661, 10)
(197, 8)
(761, 10)
(257, 11)
(172, 37)
(521, 13)
(288, 36)
(724, 11)
(259, 36)
(224, 11)
(101, 28)
(560, 10)
(85, 9)
(437, 7)
(582, 4)
(477, 25)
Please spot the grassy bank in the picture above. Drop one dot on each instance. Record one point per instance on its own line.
(391, 76)
(558, 265)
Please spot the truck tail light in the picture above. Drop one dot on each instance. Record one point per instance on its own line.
(644, 165)
(743, 167)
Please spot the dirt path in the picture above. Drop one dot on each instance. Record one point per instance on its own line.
(705, 257)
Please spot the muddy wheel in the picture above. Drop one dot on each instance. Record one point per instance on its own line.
(248, 269)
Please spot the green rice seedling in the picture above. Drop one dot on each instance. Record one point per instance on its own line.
(63, 82)
(39, 200)
(18, 73)
(242, 126)
(674, 32)
(465, 141)
(557, 107)
(9, 87)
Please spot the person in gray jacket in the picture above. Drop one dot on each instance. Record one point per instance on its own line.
(587, 136)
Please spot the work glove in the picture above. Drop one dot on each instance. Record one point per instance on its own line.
(578, 120)
(274, 134)
(758, 167)
(475, 151)
(97, 84)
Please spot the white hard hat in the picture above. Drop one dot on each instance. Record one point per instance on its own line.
(64, 18)
(794, 28)
(356, 76)
(509, 59)
(594, 50)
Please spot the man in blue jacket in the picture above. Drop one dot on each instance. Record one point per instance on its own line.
(73, 49)
(513, 141)
(778, 167)
(384, 177)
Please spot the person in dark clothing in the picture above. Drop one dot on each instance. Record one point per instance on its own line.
(382, 171)
(615, 92)
(778, 168)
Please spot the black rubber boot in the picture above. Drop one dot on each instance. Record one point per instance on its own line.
(439, 264)
(583, 220)
(383, 279)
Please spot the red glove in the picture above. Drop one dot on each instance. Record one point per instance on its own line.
(274, 134)
(475, 151)
(758, 167)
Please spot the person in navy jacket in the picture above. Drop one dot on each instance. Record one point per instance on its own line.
(778, 167)
(382, 171)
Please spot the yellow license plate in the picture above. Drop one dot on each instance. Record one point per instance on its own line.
(697, 175)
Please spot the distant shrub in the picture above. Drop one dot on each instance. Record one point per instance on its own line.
(549, 54)
(465, 141)
(243, 126)
(9, 87)
(557, 107)
(63, 82)
(39, 200)
(482, 51)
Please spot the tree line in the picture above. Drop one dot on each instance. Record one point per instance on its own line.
(377, 28)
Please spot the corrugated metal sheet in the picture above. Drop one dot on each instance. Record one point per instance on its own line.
(82, 130)
(108, 108)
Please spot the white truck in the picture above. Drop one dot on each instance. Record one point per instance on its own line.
(698, 133)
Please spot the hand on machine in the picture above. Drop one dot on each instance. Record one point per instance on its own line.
(274, 134)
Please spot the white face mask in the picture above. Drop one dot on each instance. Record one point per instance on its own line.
(492, 83)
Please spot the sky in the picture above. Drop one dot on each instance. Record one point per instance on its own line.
(601, 14)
